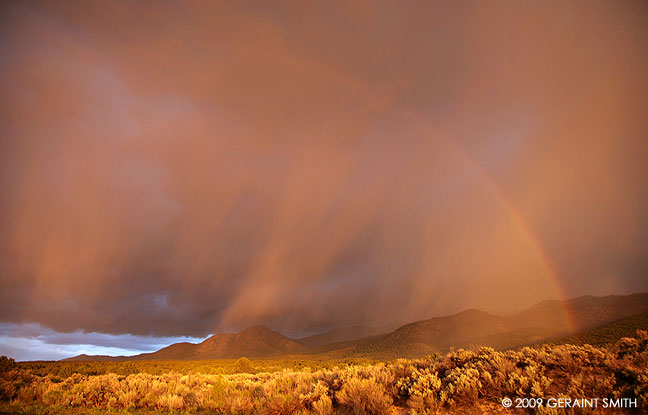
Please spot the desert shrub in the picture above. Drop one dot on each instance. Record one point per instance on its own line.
(316, 389)
(239, 404)
(280, 394)
(640, 390)
(7, 364)
(128, 399)
(323, 406)
(463, 386)
(422, 389)
(244, 365)
(170, 401)
(7, 390)
(364, 396)
(280, 403)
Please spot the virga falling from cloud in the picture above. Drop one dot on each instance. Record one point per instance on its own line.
(180, 170)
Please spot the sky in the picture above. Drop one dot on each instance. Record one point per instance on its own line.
(170, 170)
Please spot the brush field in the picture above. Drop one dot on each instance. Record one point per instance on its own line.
(463, 381)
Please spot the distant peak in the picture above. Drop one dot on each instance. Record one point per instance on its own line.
(480, 312)
(471, 311)
(258, 329)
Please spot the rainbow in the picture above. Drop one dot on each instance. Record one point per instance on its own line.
(525, 231)
(514, 215)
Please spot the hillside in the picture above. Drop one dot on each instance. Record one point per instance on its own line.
(608, 333)
(256, 341)
(436, 335)
(343, 334)
(540, 323)
(585, 312)
(177, 351)
(93, 358)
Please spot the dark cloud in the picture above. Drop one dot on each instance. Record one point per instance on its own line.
(181, 170)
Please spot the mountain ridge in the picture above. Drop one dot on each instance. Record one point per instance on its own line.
(543, 321)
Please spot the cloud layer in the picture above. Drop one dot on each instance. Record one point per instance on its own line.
(34, 342)
(182, 169)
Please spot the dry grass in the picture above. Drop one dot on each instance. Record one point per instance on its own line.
(463, 381)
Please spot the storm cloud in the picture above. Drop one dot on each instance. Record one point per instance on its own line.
(180, 169)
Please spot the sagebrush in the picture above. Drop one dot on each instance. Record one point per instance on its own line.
(461, 379)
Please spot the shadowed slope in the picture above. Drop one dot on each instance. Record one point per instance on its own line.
(343, 334)
(435, 335)
(586, 312)
(539, 323)
(608, 333)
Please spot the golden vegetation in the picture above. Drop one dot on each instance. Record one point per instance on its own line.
(160, 367)
(460, 380)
